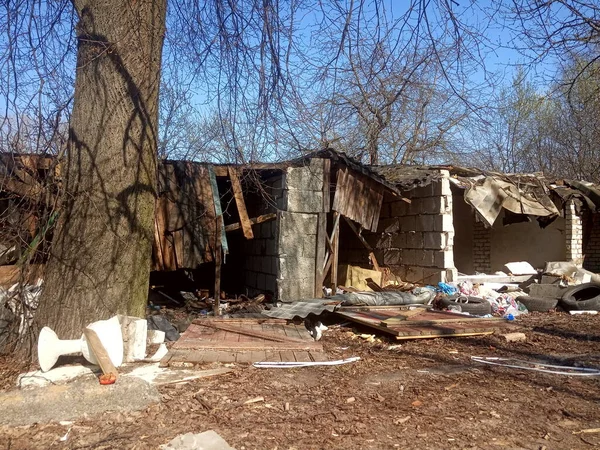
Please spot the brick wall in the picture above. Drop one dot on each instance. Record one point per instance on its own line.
(573, 234)
(416, 240)
(591, 256)
(482, 246)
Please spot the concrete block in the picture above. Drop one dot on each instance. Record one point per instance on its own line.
(297, 225)
(546, 290)
(408, 223)
(432, 205)
(304, 201)
(296, 267)
(74, 401)
(451, 275)
(434, 241)
(309, 177)
(414, 240)
(409, 257)
(386, 211)
(398, 271)
(447, 204)
(414, 208)
(425, 222)
(424, 191)
(425, 258)
(309, 249)
(443, 222)
(442, 187)
(443, 259)
(388, 226)
(398, 240)
(392, 257)
(432, 276)
(414, 274)
(399, 208)
(271, 247)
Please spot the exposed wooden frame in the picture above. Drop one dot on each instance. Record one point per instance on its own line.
(253, 221)
(238, 194)
(335, 245)
(364, 242)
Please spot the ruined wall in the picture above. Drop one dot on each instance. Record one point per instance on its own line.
(573, 235)
(526, 241)
(303, 200)
(260, 255)
(464, 238)
(482, 246)
(416, 240)
(591, 260)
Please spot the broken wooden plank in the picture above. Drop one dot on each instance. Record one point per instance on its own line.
(253, 221)
(238, 195)
(432, 336)
(100, 353)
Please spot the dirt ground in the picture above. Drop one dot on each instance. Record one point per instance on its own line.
(425, 394)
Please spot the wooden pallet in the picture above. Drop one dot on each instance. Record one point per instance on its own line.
(245, 341)
(421, 324)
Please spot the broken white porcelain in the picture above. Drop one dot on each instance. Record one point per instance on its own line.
(134, 331)
(50, 347)
(160, 353)
(156, 336)
(110, 334)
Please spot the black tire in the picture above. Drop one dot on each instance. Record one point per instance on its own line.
(540, 304)
(472, 305)
(583, 297)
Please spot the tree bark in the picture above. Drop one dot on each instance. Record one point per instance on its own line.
(101, 253)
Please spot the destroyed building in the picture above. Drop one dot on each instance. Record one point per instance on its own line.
(290, 228)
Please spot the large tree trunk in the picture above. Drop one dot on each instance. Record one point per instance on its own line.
(100, 261)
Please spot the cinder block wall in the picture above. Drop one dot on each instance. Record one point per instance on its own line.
(591, 254)
(416, 240)
(261, 253)
(482, 247)
(297, 231)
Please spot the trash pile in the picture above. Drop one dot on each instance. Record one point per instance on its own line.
(480, 299)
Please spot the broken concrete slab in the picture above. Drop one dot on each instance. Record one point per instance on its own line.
(75, 400)
(208, 440)
(160, 376)
(546, 290)
(58, 375)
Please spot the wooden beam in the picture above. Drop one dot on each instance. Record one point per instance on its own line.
(236, 186)
(320, 253)
(253, 221)
(100, 352)
(335, 240)
(364, 242)
(218, 251)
